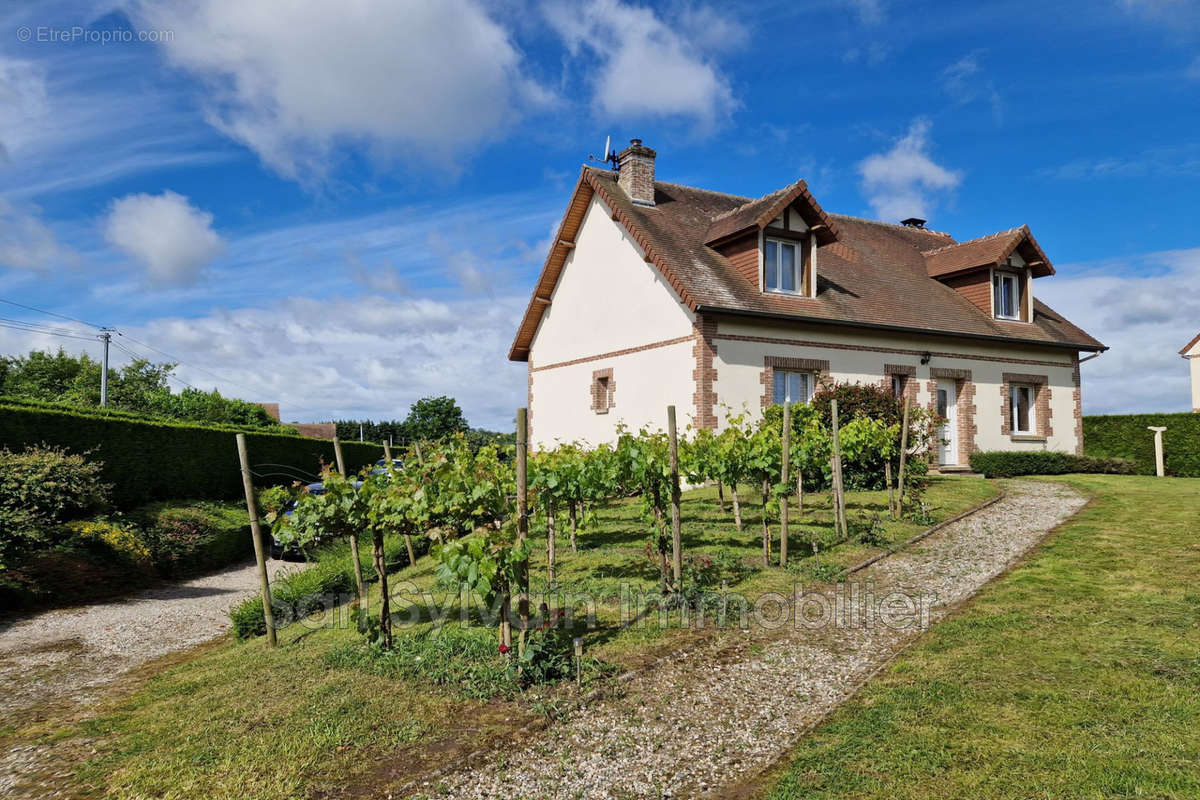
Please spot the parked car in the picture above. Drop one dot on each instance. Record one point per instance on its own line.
(380, 467)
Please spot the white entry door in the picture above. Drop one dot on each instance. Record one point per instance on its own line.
(947, 408)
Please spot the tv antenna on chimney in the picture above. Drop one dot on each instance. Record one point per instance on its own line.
(610, 155)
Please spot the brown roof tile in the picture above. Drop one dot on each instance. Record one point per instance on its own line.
(987, 251)
(876, 274)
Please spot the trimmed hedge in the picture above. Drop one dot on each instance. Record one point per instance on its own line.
(1009, 464)
(1125, 436)
(148, 460)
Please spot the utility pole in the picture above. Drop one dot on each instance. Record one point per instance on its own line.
(105, 337)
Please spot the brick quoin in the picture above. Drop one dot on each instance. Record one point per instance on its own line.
(911, 384)
(603, 390)
(705, 374)
(1077, 400)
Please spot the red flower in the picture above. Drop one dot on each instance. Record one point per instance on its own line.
(503, 648)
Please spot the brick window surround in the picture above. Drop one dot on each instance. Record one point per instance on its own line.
(820, 368)
(1041, 405)
(964, 405)
(604, 390)
(908, 377)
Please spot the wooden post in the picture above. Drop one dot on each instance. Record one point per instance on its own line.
(551, 554)
(676, 533)
(783, 506)
(766, 528)
(256, 534)
(721, 496)
(387, 454)
(887, 479)
(903, 461)
(737, 507)
(522, 524)
(840, 487)
(359, 585)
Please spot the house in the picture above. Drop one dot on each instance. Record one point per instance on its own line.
(655, 294)
(1192, 353)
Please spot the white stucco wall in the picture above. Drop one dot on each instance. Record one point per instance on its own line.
(739, 368)
(609, 299)
(646, 383)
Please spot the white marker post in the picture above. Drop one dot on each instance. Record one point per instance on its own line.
(1158, 451)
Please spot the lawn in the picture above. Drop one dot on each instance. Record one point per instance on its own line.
(1075, 675)
(315, 716)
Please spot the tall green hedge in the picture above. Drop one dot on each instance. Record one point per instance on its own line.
(1125, 436)
(147, 460)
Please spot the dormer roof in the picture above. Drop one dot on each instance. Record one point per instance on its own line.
(988, 251)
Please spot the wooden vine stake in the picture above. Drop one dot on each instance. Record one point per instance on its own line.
(256, 534)
(839, 487)
(783, 477)
(903, 461)
(887, 480)
(359, 586)
(522, 525)
(676, 533)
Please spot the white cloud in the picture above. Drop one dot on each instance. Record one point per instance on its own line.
(26, 243)
(171, 239)
(464, 264)
(647, 67)
(905, 181)
(422, 81)
(870, 12)
(965, 82)
(381, 277)
(1145, 308)
(362, 357)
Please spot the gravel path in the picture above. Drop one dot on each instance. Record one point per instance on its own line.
(705, 722)
(67, 655)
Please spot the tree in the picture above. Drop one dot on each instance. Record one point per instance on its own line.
(432, 419)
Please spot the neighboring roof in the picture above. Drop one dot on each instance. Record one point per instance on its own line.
(987, 251)
(1190, 345)
(875, 275)
(759, 213)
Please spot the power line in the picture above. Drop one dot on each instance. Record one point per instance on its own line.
(39, 327)
(49, 313)
(27, 329)
(129, 352)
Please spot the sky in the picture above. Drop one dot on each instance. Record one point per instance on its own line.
(343, 207)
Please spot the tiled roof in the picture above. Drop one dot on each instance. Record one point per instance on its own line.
(757, 213)
(1188, 348)
(876, 274)
(986, 251)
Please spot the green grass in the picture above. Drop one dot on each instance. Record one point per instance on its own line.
(1075, 675)
(238, 720)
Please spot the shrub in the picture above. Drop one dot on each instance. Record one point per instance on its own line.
(1007, 464)
(1125, 436)
(189, 539)
(147, 460)
(122, 540)
(40, 488)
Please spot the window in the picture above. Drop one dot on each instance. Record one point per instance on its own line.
(604, 390)
(1021, 405)
(898, 386)
(782, 266)
(793, 387)
(1006, 295)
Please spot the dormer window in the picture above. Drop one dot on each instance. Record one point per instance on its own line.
(781, 265)
(1006, 295)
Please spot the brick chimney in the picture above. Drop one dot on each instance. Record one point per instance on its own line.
(636, 172)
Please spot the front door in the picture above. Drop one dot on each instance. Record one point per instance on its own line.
(947, 408)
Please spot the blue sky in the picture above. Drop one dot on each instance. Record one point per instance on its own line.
(343, 207)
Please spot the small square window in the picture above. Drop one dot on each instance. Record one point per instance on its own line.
(603, 391)
(792, 387)
(1022, 409)
(898, 385)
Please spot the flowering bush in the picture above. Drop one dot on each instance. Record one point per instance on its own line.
(124, 540)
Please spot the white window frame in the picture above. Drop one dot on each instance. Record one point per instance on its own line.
(1014, 416)
(999, 278)
(810, 386)
(798, 276)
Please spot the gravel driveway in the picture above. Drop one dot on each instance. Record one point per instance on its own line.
(68, 654)
(709, 721)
